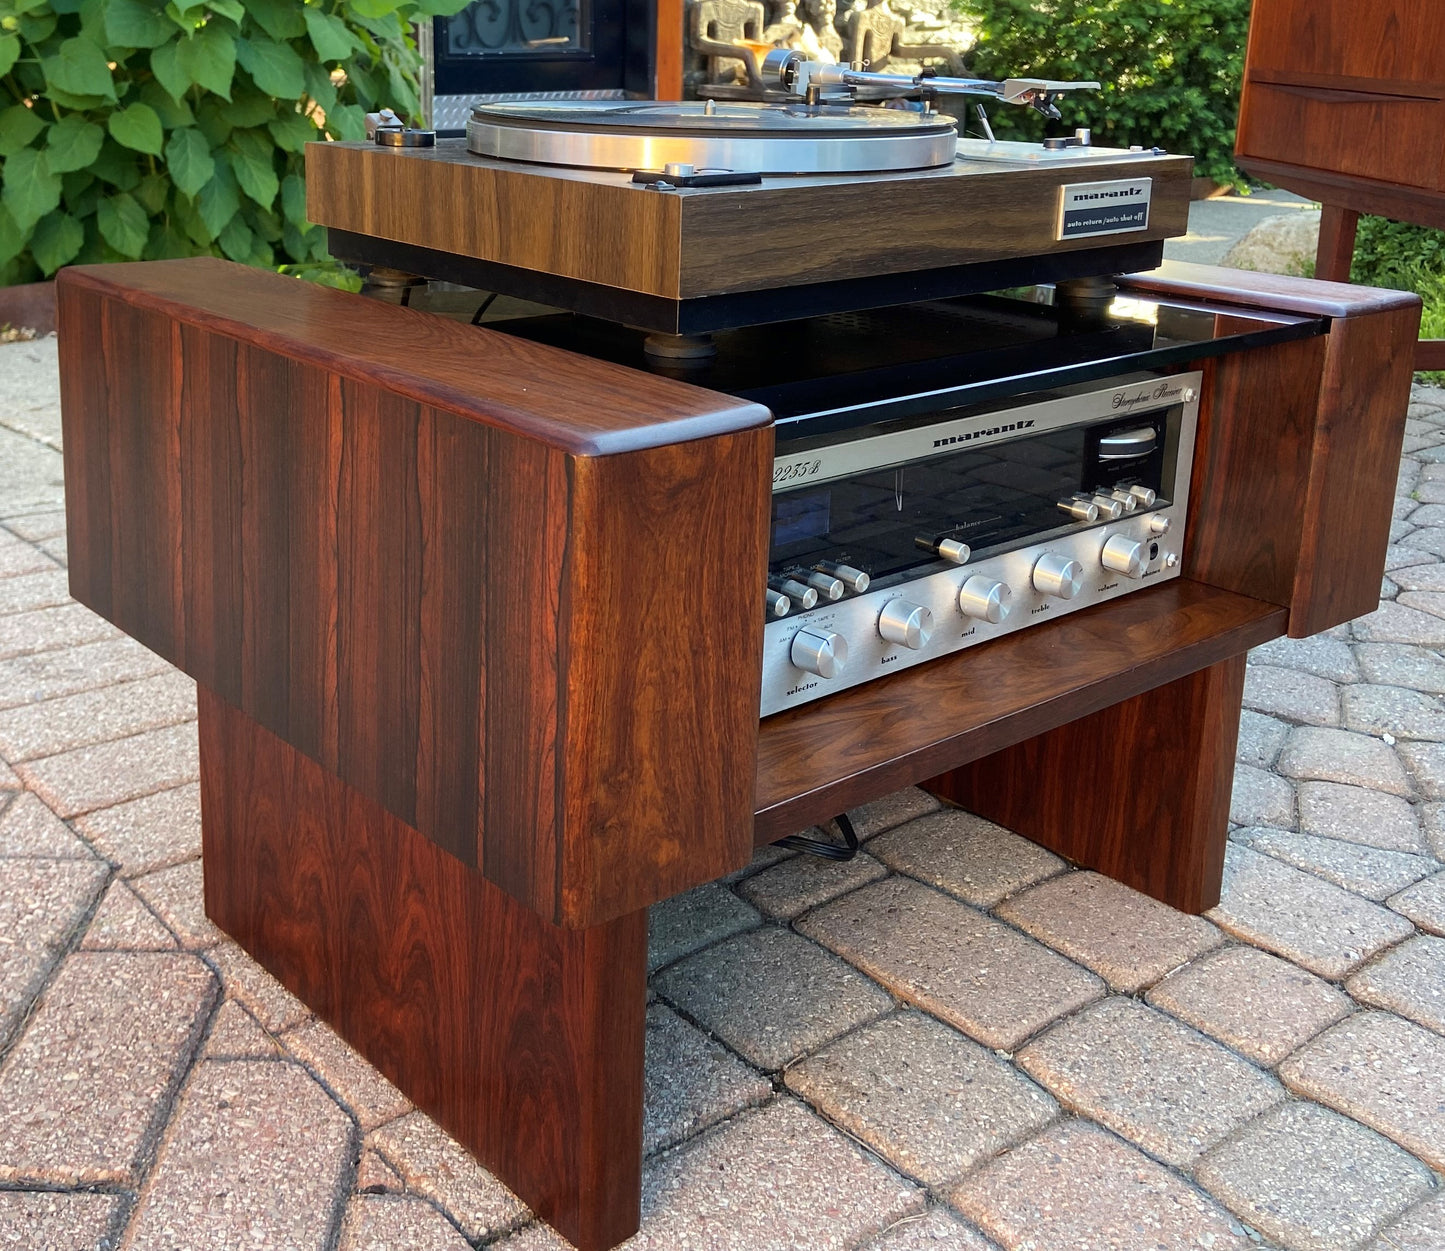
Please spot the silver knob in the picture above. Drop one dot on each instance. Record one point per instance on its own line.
(804, 597)
(1144, 495)
(1080, 510)
(1109, 508)
(1159, 525)
(985, 599)
(950, 549)
(1124, 555)
(821, 652)
(828, 587)
(1129, 501)
(905, 623)
(854, 579)
(1058, 576)
(679, 169)
(778, 604)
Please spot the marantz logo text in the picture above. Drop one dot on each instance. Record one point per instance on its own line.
(1124, 193)
(974, 436)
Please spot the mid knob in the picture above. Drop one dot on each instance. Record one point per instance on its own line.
(819, 651)
(985, 599)
(1124, 555)
(905, 623)
(1058, 576)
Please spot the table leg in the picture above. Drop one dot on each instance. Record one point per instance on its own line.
(1337, 244)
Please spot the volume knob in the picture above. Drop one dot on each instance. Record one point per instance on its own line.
(1058, 576)
(985, 599)
(819, 651)
(905, 623)
(1124, 555)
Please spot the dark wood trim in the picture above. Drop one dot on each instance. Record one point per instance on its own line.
(1353, 83)
(1184, 280)
(1363, 195)
(1430, 354)
(1336, 250)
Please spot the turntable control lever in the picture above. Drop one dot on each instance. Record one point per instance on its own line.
(985, 599)
(819, 651)
(1058, 576)
(1125, 555)
(906, 623)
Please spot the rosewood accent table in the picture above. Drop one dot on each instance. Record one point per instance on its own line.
(457, 735)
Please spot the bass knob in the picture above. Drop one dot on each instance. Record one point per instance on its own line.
(908, 624)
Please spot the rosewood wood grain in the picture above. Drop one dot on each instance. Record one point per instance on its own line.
(522, 1039)
(1307, 297)
(475, 628)
(667, 50)
(599, 227)
(1402, 40)
(1336, 250)
(1363, 195)
(827, 757)
(1139, 791)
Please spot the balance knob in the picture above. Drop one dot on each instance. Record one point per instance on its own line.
(1124, 555)
(820, 652)
(1058, 576)
(985, 599)
(909, 624)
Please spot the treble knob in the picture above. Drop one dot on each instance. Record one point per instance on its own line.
(1058, 576)
(1124, 555)
(819, 651)
(985, 599)
(905, 623)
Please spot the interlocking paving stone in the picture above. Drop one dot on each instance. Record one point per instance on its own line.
(40, 1221)
(1426, 762)
(1260, 1005)
(1260, 739)
(1322, 655)
(1312, 1180)
(1319, 754)
(1420, 1229)
(39, 525)
(91, 1073)
(124, 923)
(1261, 798)
(46, 629)
(8, 779)
(29, 828)
(966, 968)
(18, 557)
(55, 549)
(1163, 1086)
(31, 383)
(1395, 623)
(1430, 601)
(375, 1176)
(929, 1101)
(1393, 710)
(175, 896)
(771, 995)
(255, 1157)
(48, 588)
(397, 1223)
(804, 882)
(1397, 557)
(686, 923)
(935, 1231)
(438, 1168)
(261, 994)
(539, 1237)
(111, 773)
(1367, 871)
(364, 1092)
(773, 1180)
(1433, 819)
(1328, 930)
(1074, 1186)
(691, 1081)
(236, 1035)
(35, 730)
(1291, 694)
(1359, 815)
(965, 855)
(1385, 1072)
(49, 675)
(1410, 981)
(153, 832)
(1388, 589)
(1421, 578)
(883, 814)
(1127, 938)
(42, 903)
(1424, 903)
(763, 858)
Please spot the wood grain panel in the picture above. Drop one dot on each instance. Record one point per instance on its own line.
(1363, 195)
(1182, 280)
(1139, 791)
(827, 757)
(1382, 39)
(523, 1040)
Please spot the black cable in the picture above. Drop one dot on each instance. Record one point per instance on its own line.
(482, 308)
(823, 848)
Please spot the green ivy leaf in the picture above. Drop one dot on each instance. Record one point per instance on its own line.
(171, 111)
(151, 192)
(137, 127)
(274, 67)
(249, 108)
(12, 238)
(79, 66)
(251, 157)
(80, 104)
(81, 197)
(439, 8)
(18, 126)
(188, 157)
(292, 131)
(73, 143)
(278, 18)
(293, 202)
(37, 28)
(346, 121)
(166, 66)
(329, 35)
(32, 188)
(136, 24)
(319, 85)
(220, 199)
(116, 166)
(236, 240)
(233, 9)
(9, 52)
(208, 59)
(210, 117)
(57, 238)
(123, 224)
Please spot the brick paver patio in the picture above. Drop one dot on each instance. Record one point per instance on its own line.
(955, 1041)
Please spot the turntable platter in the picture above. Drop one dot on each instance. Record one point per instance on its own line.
(712, 135)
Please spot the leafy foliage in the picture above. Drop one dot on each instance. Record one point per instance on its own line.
(1405, 258)
(143, 129)
(1171, 69)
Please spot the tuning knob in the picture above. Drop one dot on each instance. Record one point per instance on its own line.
(905, 623)
(985, 599)
(1124, 555)
(820, 652)
(1058, 576)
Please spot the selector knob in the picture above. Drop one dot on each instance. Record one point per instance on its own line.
(819, 651)
(985, 599)
(1125, 555)
(905, 623)
(1058, 576)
